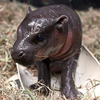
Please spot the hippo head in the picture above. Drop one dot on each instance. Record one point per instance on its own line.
(40, 35)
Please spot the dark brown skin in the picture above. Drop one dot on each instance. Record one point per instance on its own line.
(50, 37)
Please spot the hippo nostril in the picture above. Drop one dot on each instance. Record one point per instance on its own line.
(21, 54)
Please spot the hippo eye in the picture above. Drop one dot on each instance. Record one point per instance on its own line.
(40, 37)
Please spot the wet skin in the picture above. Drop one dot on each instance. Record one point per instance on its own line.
(50, 37)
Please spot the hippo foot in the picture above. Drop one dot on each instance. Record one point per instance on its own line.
(72, 94)
(40, 88)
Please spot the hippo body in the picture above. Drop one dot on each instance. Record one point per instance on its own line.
(50, 37)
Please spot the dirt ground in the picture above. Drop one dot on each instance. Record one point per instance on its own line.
(11, 15)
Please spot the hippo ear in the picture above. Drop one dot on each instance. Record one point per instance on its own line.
(29, 10)
(62, 23)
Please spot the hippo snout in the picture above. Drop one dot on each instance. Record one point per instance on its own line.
(23, 57)
(16, 55)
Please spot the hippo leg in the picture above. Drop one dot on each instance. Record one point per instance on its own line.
(43, 77)
(68, 72)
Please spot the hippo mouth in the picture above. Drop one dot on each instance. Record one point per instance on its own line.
(24, 61)
(40, 58)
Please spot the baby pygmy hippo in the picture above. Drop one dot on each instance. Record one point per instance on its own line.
(50, 37)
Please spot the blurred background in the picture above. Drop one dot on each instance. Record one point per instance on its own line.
(75, 4)
(12, 12)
